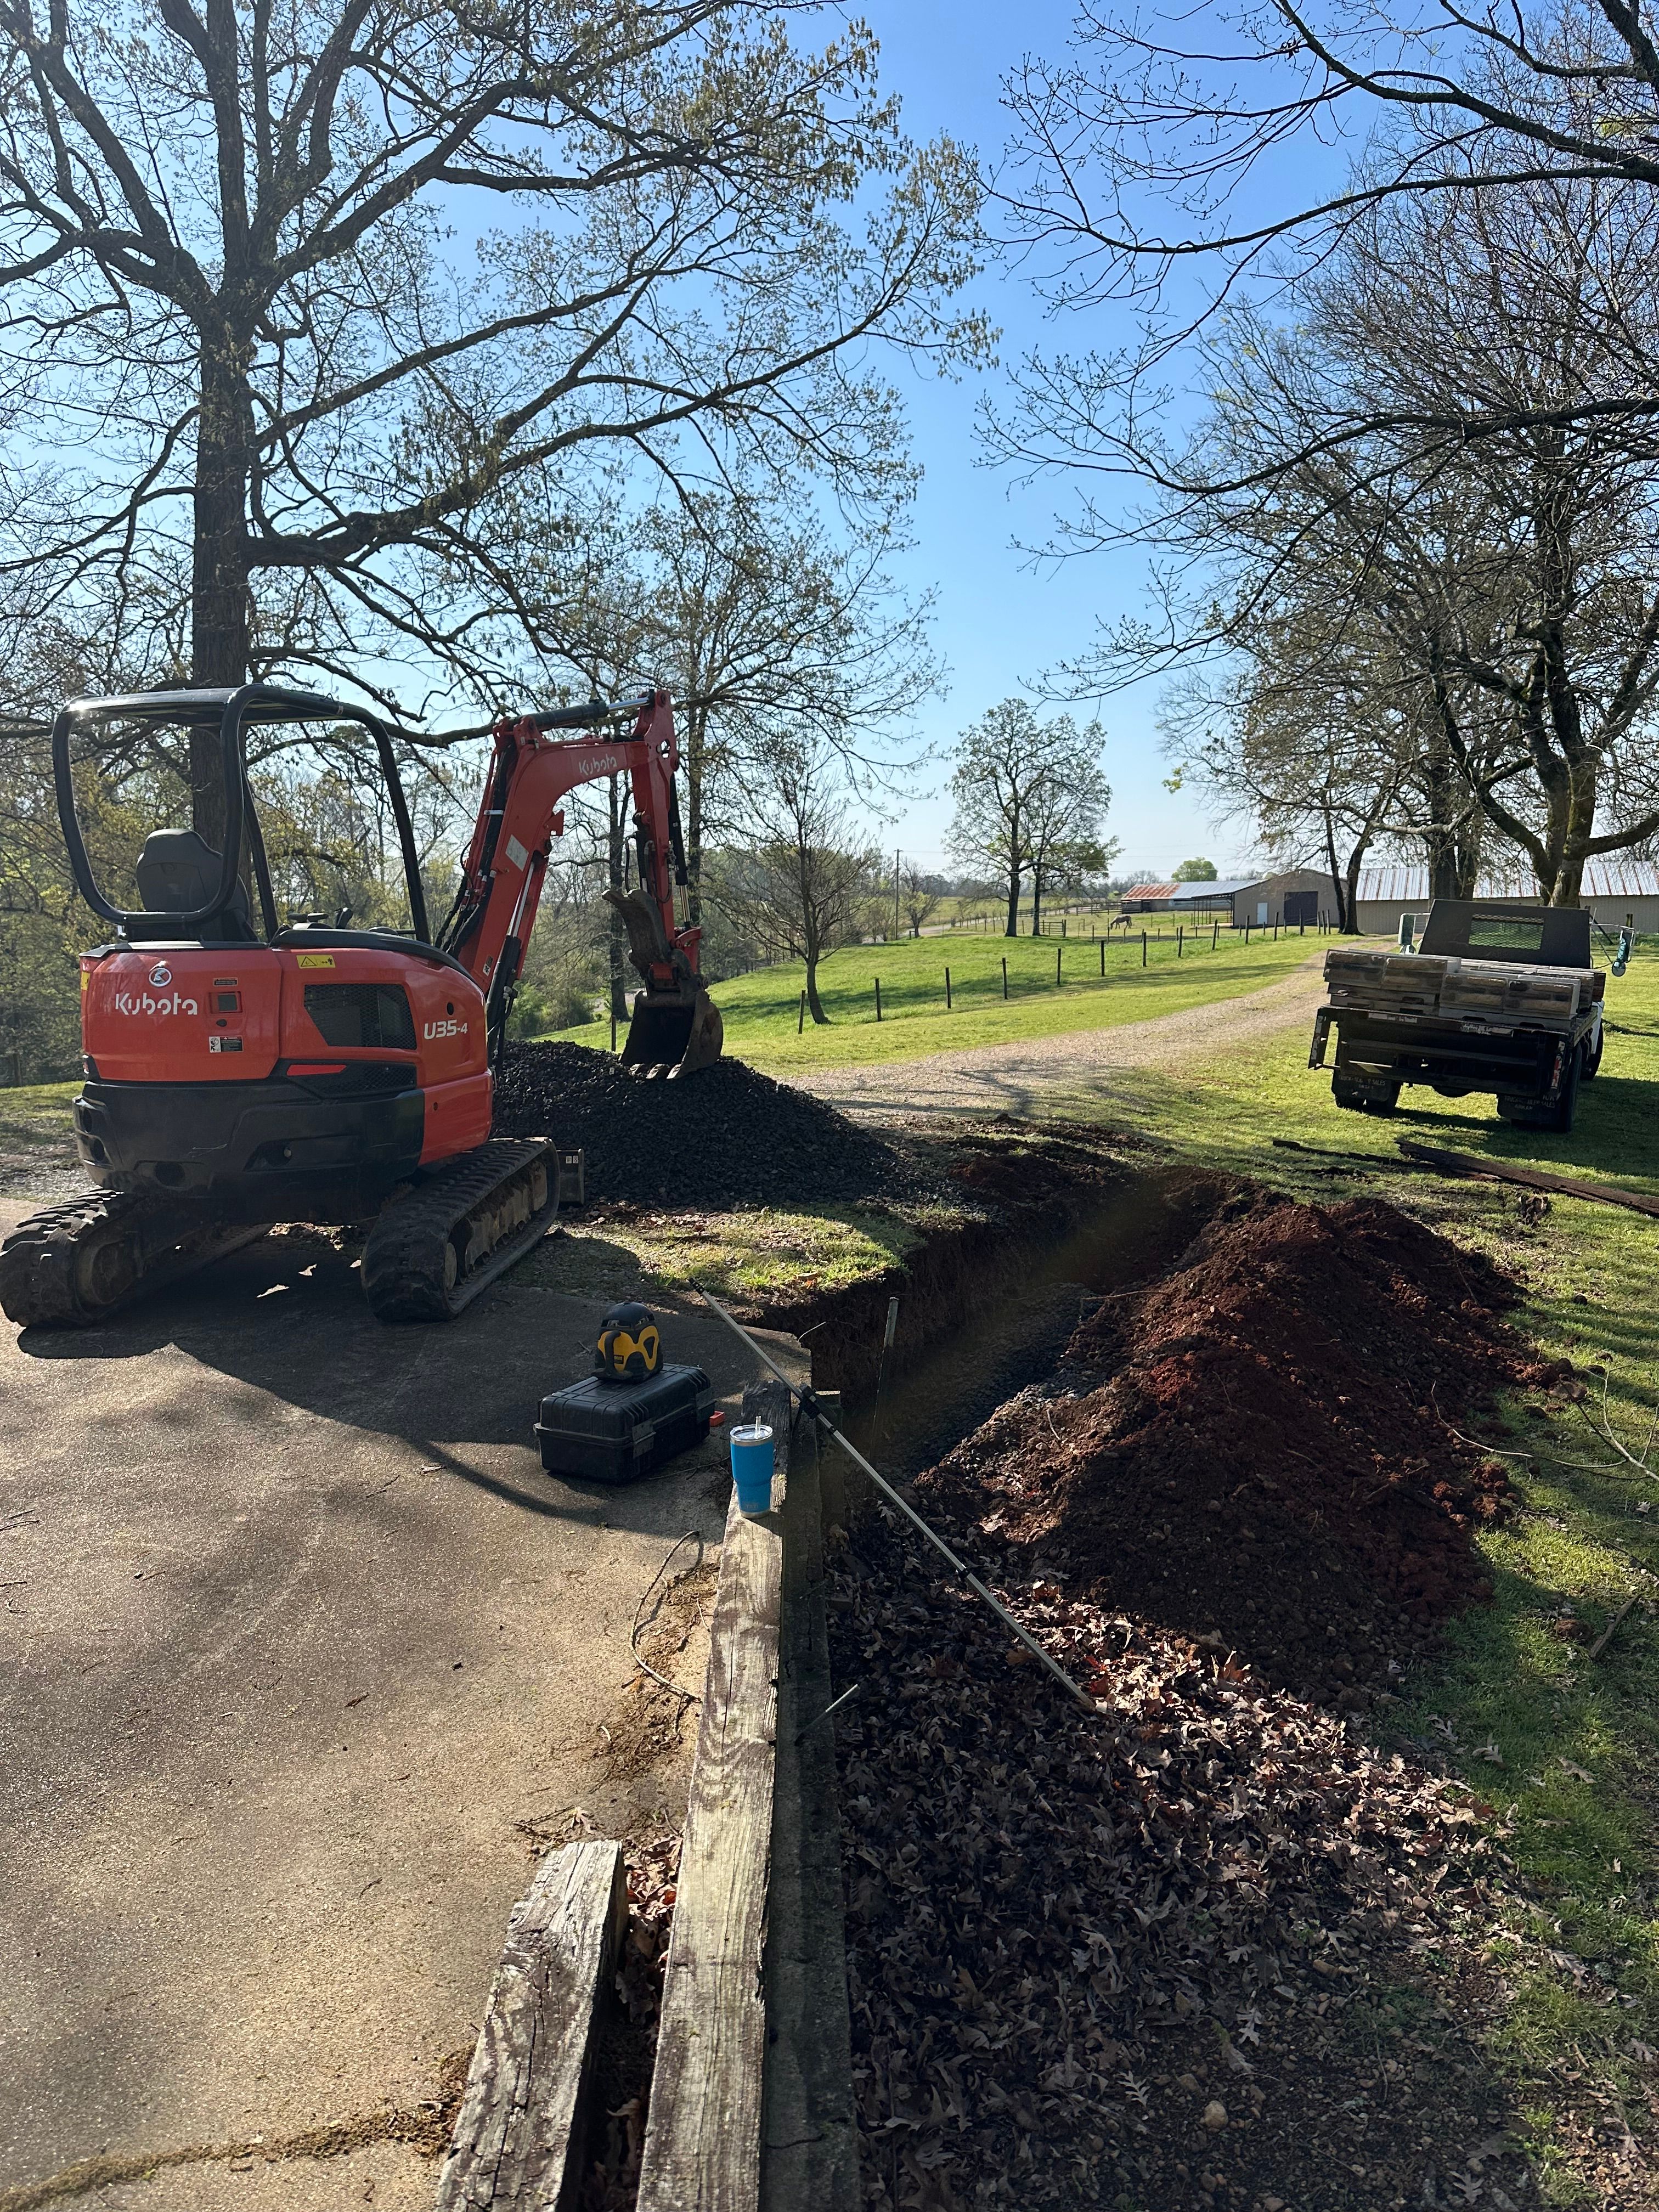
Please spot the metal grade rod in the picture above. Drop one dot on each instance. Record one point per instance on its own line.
(809, 1405)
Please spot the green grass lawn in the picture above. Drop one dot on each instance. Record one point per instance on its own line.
(1565, 1749)
(760, 1011)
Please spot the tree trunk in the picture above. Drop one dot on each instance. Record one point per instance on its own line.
(220, 599)
(1351, 926)
(1012, 929)
(1037, 898)
(1443, 789)
(814, 1004)
(1347, 915)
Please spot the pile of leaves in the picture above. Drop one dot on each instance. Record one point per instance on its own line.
(1271, 1444)
(725, 1136)
(1172, 1952)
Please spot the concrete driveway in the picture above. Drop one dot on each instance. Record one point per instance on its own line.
(305, 1662)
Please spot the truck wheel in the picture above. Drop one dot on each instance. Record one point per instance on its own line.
(1559, 1119)
(1361, 1098)
(1593, 1060)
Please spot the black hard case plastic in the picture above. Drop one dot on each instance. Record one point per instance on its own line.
(604, 1432)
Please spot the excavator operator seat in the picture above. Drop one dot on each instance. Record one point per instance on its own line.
(179, 872)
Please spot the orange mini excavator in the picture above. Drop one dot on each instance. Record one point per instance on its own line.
(304, 1071)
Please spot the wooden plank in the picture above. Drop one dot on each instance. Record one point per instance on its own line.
(702, 2140)
(809, 2156)
(1466, 1164)
(518, 2140)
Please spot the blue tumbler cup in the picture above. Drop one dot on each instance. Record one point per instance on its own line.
(751, 1468)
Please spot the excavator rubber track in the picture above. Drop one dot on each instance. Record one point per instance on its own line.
(449, 1235)
(77, 1262)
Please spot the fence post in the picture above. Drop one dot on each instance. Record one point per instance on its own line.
(877, 998)
(1005, 975)
(947, 990)
(1057, 959)
(1215, 932)
(1103, 956)
(1246, 930)
(1178, 929)
(801, 1018)
(613, 1028)
(1143, 948)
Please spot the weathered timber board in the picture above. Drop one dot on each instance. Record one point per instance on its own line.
(518, 2140)
(702, 2143)
(1468, 1163)
(809, 2154)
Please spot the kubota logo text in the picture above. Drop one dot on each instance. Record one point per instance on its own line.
(133, 1002)
(444, 1028)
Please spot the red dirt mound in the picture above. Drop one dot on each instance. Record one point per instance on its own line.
(1261, 1445)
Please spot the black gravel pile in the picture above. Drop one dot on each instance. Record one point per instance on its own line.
(725, 1136)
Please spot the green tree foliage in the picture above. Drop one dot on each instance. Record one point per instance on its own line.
(1196, 871)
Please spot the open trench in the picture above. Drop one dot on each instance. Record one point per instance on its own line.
(1209, 1944)
(987, 1308)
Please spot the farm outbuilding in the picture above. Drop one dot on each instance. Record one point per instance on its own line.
(1295, 897)
(1616, 892)
(1149, 898)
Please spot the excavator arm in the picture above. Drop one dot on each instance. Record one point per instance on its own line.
(538, 759)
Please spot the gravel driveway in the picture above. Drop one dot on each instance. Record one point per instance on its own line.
(1013, 1078)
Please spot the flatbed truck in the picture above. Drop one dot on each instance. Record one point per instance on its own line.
(1499, 999)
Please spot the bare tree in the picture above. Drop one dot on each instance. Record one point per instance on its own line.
(1495, 611)
(256, 379)
(919, 895)
(757, 618)
(1021, 788)
(802, 882)
(1153, 169)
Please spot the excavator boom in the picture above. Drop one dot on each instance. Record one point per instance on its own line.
(538, 759)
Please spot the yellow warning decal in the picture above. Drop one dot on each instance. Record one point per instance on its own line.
(313, 959)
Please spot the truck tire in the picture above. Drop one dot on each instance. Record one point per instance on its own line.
(1557, 1119)
(1561, 1116)
(1593, 1060)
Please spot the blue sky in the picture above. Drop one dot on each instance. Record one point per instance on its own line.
(1000, 624)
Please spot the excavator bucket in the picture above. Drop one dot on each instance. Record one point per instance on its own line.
(677, 1027)
(672, 1033)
